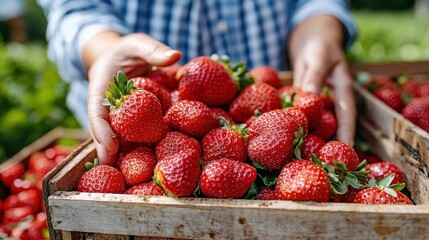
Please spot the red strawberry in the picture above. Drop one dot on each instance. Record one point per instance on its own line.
(206, 80)
(327, 126)
(303, 180)
(423, 89)
(177, 143)
(417, 111)
(190, 117)
(39, 165)
(372, 158)
(312, 144)
(178, 174)
(348, 197)
(15, 215)
(381, 170)
(165, 76)
(299, 116)
(225, 178)
(266, 194)
(271, 139)
(262, 97)
(28, 198)
(161, 93)
(340, 152)
(20, 185)
(266, 74)
(102, 179)
(174, 96)
(312, 106)
(219, 112)
(328, 103)
(148, 188)
(135, 115)
(376, 195)
(39, 221)
(11, 173)
(390, 96)
(286, 92)
(379, 81)
(229, 142)
(28, 233)
(138, 165)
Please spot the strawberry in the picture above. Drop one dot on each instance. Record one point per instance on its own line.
(138, 165)
(390, 96)
(178, 174)
(266, 74)
(303, 180)
(272, 139)
(423, 90)
(312, 144)
(161, 93)
(148, 188)
(312, 106)
(219, 112)
(135, 114)
(266, 194)
(381, 170)
(327, 126)
(225, 178)
(39, 221)
(174, 96)
(20, 185)
(190, 117)
(177, 143)
(206, 80)
(28, 198)
(348, 197)
(28, 233)
(15, 215)
(165, 76)
(381, 192)
(328, 103)
(101, 179)
(286, 92)
(417, 111)
(379, 81)
(230, 142)
(299, 116)
(262, 97)
(339, 152)
(11, 173)
(40, 165)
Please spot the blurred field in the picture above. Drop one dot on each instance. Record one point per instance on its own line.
(390, 36)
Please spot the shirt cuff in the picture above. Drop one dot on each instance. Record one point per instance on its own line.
(337, 9)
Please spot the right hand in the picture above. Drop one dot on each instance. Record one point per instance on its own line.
(105, 54)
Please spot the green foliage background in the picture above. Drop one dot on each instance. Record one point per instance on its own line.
(32, 95)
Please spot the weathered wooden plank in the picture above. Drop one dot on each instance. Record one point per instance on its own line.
(232, 219)
(392, 68)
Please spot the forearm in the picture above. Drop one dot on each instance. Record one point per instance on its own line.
(97, 45)
(323, 27)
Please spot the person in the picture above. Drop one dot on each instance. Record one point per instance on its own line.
(92, 40)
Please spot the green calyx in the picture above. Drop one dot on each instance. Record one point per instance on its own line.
(119, 89)
(240, 129)
(89, 165)
(238, 71)
(385, 185)
(298, 142)
(287, 101)
(341, 178)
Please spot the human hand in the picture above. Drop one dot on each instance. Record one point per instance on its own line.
(318, 60)
(134, 54)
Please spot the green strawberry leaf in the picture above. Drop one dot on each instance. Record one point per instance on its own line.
(257, 113)
(340, 166)
(391, 192)
(88, 166)
(372, 182)
(258, 165)
(252, 192)
(352, 180)
(338, 188)
(385, 182)
(333, 177)
(398, 186)
(269, 182)
(197, 191)
(361, 165)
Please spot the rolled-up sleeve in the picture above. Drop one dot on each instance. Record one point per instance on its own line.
(337, 8)
(70, 25)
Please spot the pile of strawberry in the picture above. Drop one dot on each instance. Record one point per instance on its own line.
(22, 212)
(404, 95)
(213, 129)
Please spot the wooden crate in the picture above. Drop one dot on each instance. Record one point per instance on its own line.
(410, 139)
(75, 215)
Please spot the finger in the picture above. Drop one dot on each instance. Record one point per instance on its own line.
(345, 107)
(298, 73)
(314, 76)
(107, 141)
(152, 51)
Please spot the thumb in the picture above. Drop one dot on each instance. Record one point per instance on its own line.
(151, 51)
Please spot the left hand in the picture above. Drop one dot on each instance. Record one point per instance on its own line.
(318, 59)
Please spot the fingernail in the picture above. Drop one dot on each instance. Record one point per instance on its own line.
(170, 52)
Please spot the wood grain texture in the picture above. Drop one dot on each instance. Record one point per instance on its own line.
(392, 68)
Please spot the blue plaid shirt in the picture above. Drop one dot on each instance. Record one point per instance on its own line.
(249, 30)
